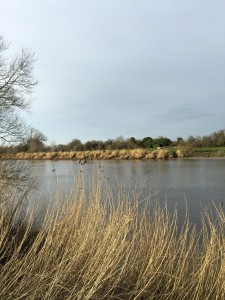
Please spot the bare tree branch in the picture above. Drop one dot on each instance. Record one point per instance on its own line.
(16, 85)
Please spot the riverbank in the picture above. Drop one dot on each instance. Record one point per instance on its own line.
(159, 153)
(95, 155)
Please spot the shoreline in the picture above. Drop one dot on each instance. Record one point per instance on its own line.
(135, 154)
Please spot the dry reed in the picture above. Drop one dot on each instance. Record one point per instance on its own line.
(99, 154)
(103, 247)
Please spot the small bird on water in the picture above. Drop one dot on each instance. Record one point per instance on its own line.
(82, 161)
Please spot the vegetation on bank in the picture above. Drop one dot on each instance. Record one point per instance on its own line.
(105, 247)
(161, 148)
(209, 151)
(98, 154)
(159, 153)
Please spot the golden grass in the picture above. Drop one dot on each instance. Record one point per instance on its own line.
(99, 155)
(104, 247)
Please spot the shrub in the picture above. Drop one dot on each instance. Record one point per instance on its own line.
(184, 152)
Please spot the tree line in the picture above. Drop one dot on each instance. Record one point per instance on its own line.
(36, 142)
(216, 139)
(117, 143)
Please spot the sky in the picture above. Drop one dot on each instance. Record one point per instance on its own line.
(135, 68)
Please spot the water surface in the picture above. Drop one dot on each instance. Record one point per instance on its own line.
(195, 182)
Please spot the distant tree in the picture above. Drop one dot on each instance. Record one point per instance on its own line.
(5, 149)
(191, 141)
(132, 143)
(75, 145)
(133, 140)
(198, 141)
(147, 142)
(16, 85)
(94, 145)
(61, 147)
(180, 141)
(120, 143)
(194, 141)
(219, 138)
(108, 145)
(35, 140)
(162, 141)
(207, 141)
(36, 134)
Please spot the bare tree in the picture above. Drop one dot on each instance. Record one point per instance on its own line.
(16, 86)
(36, 140)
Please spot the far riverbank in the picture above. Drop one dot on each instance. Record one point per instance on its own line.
(159, 153)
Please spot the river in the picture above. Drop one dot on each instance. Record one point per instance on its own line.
(195, 182)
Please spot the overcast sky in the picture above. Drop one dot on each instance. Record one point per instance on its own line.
(122, 67)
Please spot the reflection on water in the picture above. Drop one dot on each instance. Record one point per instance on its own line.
(195, 182)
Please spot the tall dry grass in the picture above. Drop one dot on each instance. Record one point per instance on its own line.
(102, 247)
(100, 154)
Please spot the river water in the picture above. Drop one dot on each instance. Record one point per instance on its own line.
(195, 182)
